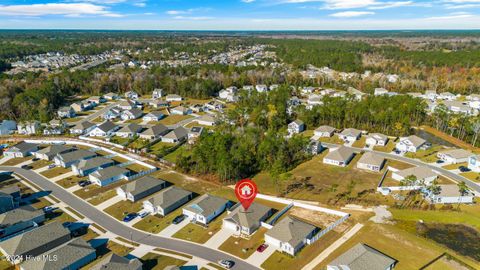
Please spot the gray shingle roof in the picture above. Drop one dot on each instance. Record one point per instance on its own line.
(340, 154)
(363, 257)
(168, 197)
(416, 141)
(109, 172)
(76, 155)
(371, 159)
(291, 230)
(23, 213)
(457, 153)
(115, 262)
(351, 132)
(22, 147)
(178, 133)
(328, 129)
(107, 126)
(55, 149)
(250, 217)
(83, 125)
(131, 128)
(419, 172)
(141, 185)
(206, 205)
(155, 130)
(94, 163)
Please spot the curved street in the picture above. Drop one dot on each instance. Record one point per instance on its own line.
(111, 224)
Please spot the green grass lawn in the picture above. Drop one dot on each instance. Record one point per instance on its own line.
(70, 181)
(242, 247)
(474, 176)
(40, 164)
(429, 155)
(120, 140)
(158, 148)
(360, 143)
(54, 172)
(159, 262)
(139, 143)
(454, 166)
(173, 119)
(186, 182)
(102, 197)
(155, 224)
(387, 148)
(199, 234)
(334, 139)
(15, 161)
(120, 209)
(172, 157)
(94, 190)
(467, 216)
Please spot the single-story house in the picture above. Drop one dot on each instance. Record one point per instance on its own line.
(339, 157)
(474, 163)
(36, 241)
(362, 257)
(173, 97)
(49, 152)
(153, 116)
(111, 96)
(20, 219)
(22, 149)
(129, 131)
(115, 262)
(7, 127)
(246, 222)
(97, 99)
(423, 174)
(205, 209)
(410, 144)
(290, 235)
(131, 114)
(175, 136)
(371, 161)
(296, 126)
(180, 110)
(112, 113)
(131, 95)
(66, 112)
(206, 120)
(454, 155)
(449, 194)
(78, 107)
(104, 130)
(324, 131)
(82, 128)
(73, 254)
(127, 104)
(159, 104)
(88, 166)
(108, 175)
(140, 188)
(68, 159)
(350, 134)
(7, 201)
(167, 200)
(154, 132)
(376, 139)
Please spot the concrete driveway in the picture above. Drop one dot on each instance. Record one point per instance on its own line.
(257, 258)
(109, 202)
(60, 177)
(217, 239)
(173, 228)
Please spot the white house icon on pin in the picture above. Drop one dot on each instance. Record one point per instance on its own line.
(246, 191)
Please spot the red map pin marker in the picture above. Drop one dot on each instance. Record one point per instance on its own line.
(246, 191)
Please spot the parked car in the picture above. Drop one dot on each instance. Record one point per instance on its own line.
(35, 159)
(143, 213)
(84, 183)
(47, 209)
(226, 263)
(178, 219)
(262, 247)
(440, 161)
(51, 166)
(26, 167)
(129, 217)
(464, 169)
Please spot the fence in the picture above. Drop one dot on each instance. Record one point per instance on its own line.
(280, 213)
(326, 230)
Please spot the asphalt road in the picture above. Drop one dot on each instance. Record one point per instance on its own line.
(118, 228)
(96, 114)
(474, 186)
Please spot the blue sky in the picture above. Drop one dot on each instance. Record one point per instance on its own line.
(240, 14)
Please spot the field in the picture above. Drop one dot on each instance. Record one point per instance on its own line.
(182, 150)
(387, 148)
(454, 166)
(450, 139)
(94, 190)
(102, 197)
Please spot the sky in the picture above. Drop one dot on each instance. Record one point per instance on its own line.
(240, 14)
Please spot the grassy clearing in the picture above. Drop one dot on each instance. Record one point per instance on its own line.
(120, 209)
(454, 166)
(242, 247)
(159, 262)
(387, 148)
(188, 183)
(160, 147)
(102, 197)
(467, 217)
(472, 176)
(50, 173)
(155, 223)
(428, 155)
(15, 161)
(173, 119)
(182, 150)
(94, 190)
(70, 181)
(360, 143)
(40, 164)
(199, 234)
(450, 139)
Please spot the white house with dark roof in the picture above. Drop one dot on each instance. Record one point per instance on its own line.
(371, 162)
(167, 200)
(350, 134)
(176, 136)
(362, 257)
(246, 222)
(154, 132)
(88, 166)
(22, 149)
(131, 114)
(339, 157)
(129, 130)
(205, 209)
(49, 152)
(106, 129)
(82, 128)
(454, 156)
(68, 159)
(295, 127)
(108, 175)
(140, 188)
(422, 174)
(153, 116)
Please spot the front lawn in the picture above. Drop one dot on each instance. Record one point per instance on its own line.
(334, 139)
(242, 247)
(454, 166)
(387, 148)
(120, 209)
(102, 197)
(155, 223)
(182, 150)
(54, 172)
(429, 155)
(70, 181)
(15, 161)
(94, 190)
(40, 164)
(173, 119)
(474, 176)
(199, 234)
(159, 262)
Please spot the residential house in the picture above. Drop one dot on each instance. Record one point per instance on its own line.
(154, 132)
(9, 198)
(127, 104)
(28, 128)
(106, 129)
(229, 94)
(214, 106)
(324, 131)
(449, 194)
(129, 131)
(50, 152)
(205, 209)
(173, 97)
(159, 104)
(131, 95)
(307, 90)
(380, 92)
(362, 257)
(115, 262)
(314, 147)
(66, 112)
(261, 88)
(371, 162)
(376, 139)
(35, 242)
(290, 235)
(206, 120)
(112, 113)
(7, 127)
(176, 136)
(411, 144)
(88, 166)
(422, 174)
(66, 160)
(157, 93)
(339, 157)
(153, 116)
(431, 95)
(141, 188)
(78, 107)
(131, 114)
(82, 128)
(246, 222)
(474, 163)
(111, 96)
(460, 107)
(350, 134)
(55, 127)
(73, 254)
(454, 156)
(447, 96)
(20, 219)
(296, 126)
(167, 200)
(96, 100)
(22, 149)
(108, 175)
(180, 110)
(194, 133)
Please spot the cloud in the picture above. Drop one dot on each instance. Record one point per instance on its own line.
(350, 14)
(392, 5)
(454, 15)
(193, 18)
(248, 1)
(66, 9)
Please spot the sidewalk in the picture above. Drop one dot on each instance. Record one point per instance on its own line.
(60, 177)
(108, 203)
(173, 228)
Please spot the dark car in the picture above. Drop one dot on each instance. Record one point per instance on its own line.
(26, 167)
(35, 159)
(84, 183)
(227, 263)
(262, 247)
(440, 161)
(178, 219)
(129, 217)
(464, 169)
